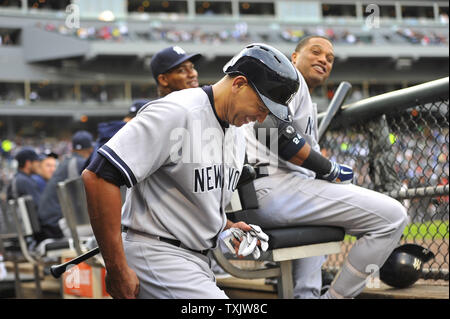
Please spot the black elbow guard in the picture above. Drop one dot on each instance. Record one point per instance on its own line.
(287, 141)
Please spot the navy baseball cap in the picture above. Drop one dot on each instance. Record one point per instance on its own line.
(82, 140)
(50, 153)
(169, 58)
(136, 106)
(26, 154)
(47, 153)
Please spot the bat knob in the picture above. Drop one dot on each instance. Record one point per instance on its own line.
(57, 270)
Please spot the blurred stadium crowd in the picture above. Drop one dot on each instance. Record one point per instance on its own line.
(42, 146)
(242, 33)
(420, 159)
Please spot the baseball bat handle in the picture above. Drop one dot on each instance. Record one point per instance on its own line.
(335, 104)
(58, 270)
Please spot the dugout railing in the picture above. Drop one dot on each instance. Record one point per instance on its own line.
(398, 144)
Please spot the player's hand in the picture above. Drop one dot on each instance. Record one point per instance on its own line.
(339, 173)
(122, 284)
(237, 242)
(241, 225)
(245, 240)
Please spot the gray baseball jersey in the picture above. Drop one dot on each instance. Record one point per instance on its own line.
(304, 120)
(182, 167)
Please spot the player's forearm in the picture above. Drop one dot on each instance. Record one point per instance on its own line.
(323, 167)
(104, 207)
(312, 160)
(300, 157)
(291, 146)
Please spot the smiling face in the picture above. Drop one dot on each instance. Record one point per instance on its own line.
(245, 105)
(183, 76)
(314, 60)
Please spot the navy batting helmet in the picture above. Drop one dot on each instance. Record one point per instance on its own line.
(270, 73)
(404, 266)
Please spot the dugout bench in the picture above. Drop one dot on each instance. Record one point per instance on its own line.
(285, 244)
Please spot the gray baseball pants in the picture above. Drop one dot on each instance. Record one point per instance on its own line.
(169, 272)
(375, 219)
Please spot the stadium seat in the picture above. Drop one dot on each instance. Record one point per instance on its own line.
(76, 224)
(10, 250)
(72, 197)
(26, 226)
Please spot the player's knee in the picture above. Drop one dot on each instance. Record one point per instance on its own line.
(398, 216)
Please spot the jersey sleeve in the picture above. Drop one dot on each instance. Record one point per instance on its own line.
(301, 99)
(144, 144)
(304, 115)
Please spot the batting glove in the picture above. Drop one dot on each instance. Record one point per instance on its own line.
(339, 173)
(248, 244)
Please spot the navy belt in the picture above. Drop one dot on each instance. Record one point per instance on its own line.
(171, 241)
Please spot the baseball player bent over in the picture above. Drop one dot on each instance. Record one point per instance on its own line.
(181, 158)
(292, 195)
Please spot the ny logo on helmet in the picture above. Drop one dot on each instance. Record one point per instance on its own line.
(417, 263)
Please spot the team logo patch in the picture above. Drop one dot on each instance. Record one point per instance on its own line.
(179, 50)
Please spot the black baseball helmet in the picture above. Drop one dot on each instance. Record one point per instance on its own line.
(404, 266)
(270, 73)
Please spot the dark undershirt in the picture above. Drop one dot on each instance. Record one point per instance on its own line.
(208, 90)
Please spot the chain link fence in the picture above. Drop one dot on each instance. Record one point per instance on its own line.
(398, 144)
